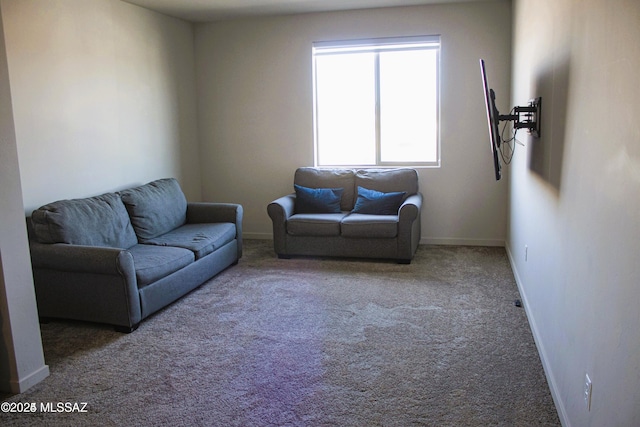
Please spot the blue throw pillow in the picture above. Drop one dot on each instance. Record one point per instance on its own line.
(378, 203)
(317, 200)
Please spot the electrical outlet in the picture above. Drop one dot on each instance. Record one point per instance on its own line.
(587, 391)
(526, 252)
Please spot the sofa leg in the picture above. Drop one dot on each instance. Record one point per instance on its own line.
(126, 329)
(404, 261)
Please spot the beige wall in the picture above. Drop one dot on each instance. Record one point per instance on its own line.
(255, 110)
(96, 96)
(575, 201)
(103, 97)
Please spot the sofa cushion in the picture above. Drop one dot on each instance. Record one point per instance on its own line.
(155, 262)
(388, 180)
(201, 239)
(94, 221)
(315, 224)
(317, 200)
(155, 208)
(329, 178)
(378, 203)
(369, 226)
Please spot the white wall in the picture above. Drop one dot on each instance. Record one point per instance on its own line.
(103, 97)
(255, 110)
(21, 356)
(575, 201)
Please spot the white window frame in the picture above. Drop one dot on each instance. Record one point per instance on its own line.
(378, 45)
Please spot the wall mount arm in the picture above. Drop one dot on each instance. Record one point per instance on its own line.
(526, 117)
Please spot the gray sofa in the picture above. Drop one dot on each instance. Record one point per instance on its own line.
(345, 230)
(119, 257)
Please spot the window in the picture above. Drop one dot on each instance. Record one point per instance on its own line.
(376, 102)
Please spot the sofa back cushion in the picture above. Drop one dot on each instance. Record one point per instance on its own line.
(388, 180)
(329, 178)
(94, 221)
(155, 208)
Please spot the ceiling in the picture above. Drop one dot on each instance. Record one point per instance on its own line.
(217, 10)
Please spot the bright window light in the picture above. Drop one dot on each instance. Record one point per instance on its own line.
(376, 102)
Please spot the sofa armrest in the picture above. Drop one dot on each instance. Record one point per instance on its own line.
(89, 283)
(206, 212)
(203, 212)
(84, 259)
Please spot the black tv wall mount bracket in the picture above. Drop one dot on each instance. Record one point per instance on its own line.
(526, 117)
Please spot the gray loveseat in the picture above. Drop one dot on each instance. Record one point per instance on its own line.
(119, 257)
(339, 224)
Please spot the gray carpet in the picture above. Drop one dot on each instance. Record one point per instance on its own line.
(311, 342)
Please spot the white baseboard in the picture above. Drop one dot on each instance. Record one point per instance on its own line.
(423, 240)
(257, 236)
(20, 385)
(455, 241)
(555, 393)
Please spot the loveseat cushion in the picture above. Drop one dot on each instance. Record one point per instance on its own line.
(155, 262)
(369, 226)
(201, 239)
(329, 178)
(155, 208)
(94, 221)
(315, 224)
(378, 203)
(318, 200)
(388, 180)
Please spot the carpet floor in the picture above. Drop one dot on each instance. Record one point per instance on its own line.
(310, 342)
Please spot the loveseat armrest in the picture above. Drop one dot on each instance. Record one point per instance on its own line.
(410, 208)
(279, 211)
(409, 227)
(208, 212)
